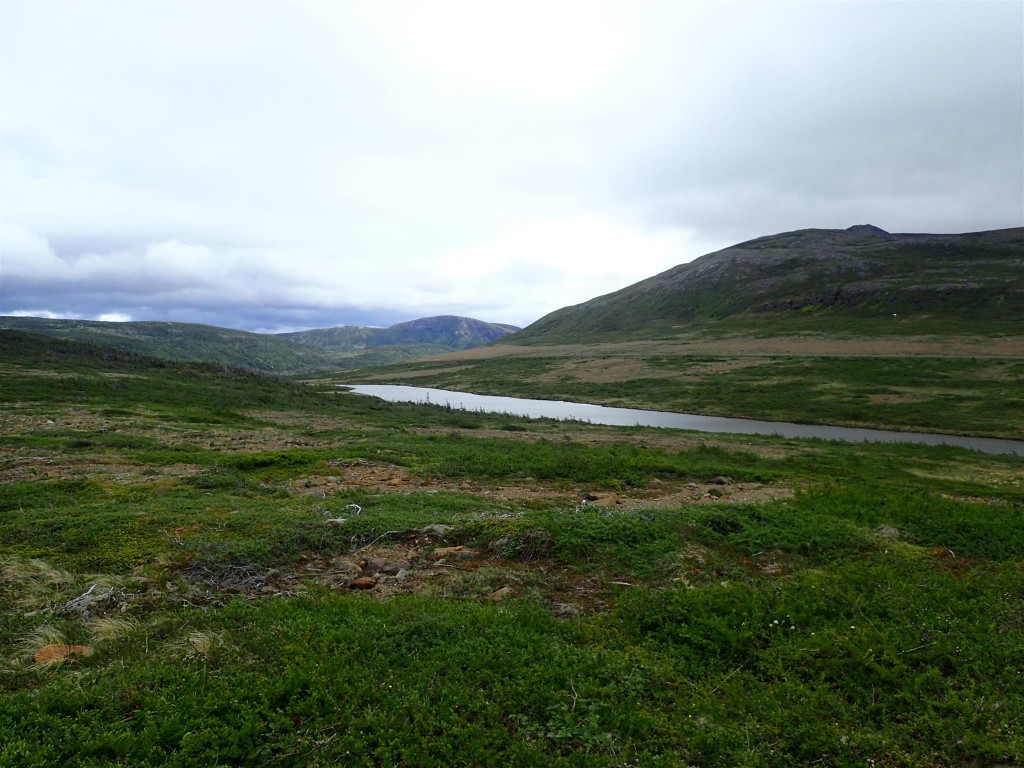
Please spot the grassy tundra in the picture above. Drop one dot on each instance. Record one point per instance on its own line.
(207, 567)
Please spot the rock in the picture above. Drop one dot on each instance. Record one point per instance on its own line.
(601, 500)
(692, 486)
(716, 491)
(887, 532)
(363, 582)
(437, 530)
(56, 653)
(720, 480)
(499, 594)
(394, 482)
(392, 569)
(376, 565)
(85, 601)
(402, 575)
(460, 552)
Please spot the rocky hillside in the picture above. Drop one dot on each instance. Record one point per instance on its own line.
(447, 331)
(853, 280)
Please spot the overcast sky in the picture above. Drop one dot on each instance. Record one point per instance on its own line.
(285, 165)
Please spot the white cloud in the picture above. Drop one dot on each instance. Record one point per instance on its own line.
(25, 253)
(45, 313)
(536, 48)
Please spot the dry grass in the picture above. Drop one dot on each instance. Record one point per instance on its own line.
(110, 629)
(204, 644)
(35, 582)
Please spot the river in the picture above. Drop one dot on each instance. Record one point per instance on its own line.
(633, 417)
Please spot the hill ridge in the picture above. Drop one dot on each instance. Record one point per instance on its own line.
(974, 278)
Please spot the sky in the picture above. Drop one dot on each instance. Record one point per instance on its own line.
(275, 166)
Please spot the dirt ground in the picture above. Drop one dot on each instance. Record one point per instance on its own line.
(386, 478)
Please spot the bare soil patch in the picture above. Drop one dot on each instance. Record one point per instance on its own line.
(389, 478)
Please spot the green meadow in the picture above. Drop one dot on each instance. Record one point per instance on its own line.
(200, 566)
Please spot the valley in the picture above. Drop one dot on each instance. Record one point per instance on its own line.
(202, 564)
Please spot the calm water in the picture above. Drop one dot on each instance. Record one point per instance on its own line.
(632, 417)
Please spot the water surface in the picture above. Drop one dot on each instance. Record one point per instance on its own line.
(634, 417)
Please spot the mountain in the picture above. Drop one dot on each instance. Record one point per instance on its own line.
(859, 280)
(447, 331)
(272, 353)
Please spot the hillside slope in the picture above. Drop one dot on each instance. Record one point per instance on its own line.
(861, 279)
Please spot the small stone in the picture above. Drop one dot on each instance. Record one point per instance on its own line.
(363, 582)
(692, 486)
(402, 575)
(57, 653)
(376, 565)
(499, 594)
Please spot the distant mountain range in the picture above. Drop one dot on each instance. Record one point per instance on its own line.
(321, 349)
(861, 280)
(445, 331)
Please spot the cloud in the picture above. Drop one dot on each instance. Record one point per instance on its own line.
(843, 111)
(299, 164)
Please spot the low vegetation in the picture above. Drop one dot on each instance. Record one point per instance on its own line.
(200, 566)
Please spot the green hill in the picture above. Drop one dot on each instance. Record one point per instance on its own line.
(293, 353)
(184, 342)
(861, 280)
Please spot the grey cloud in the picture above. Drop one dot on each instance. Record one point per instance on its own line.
(907, 113)
(330, 169)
